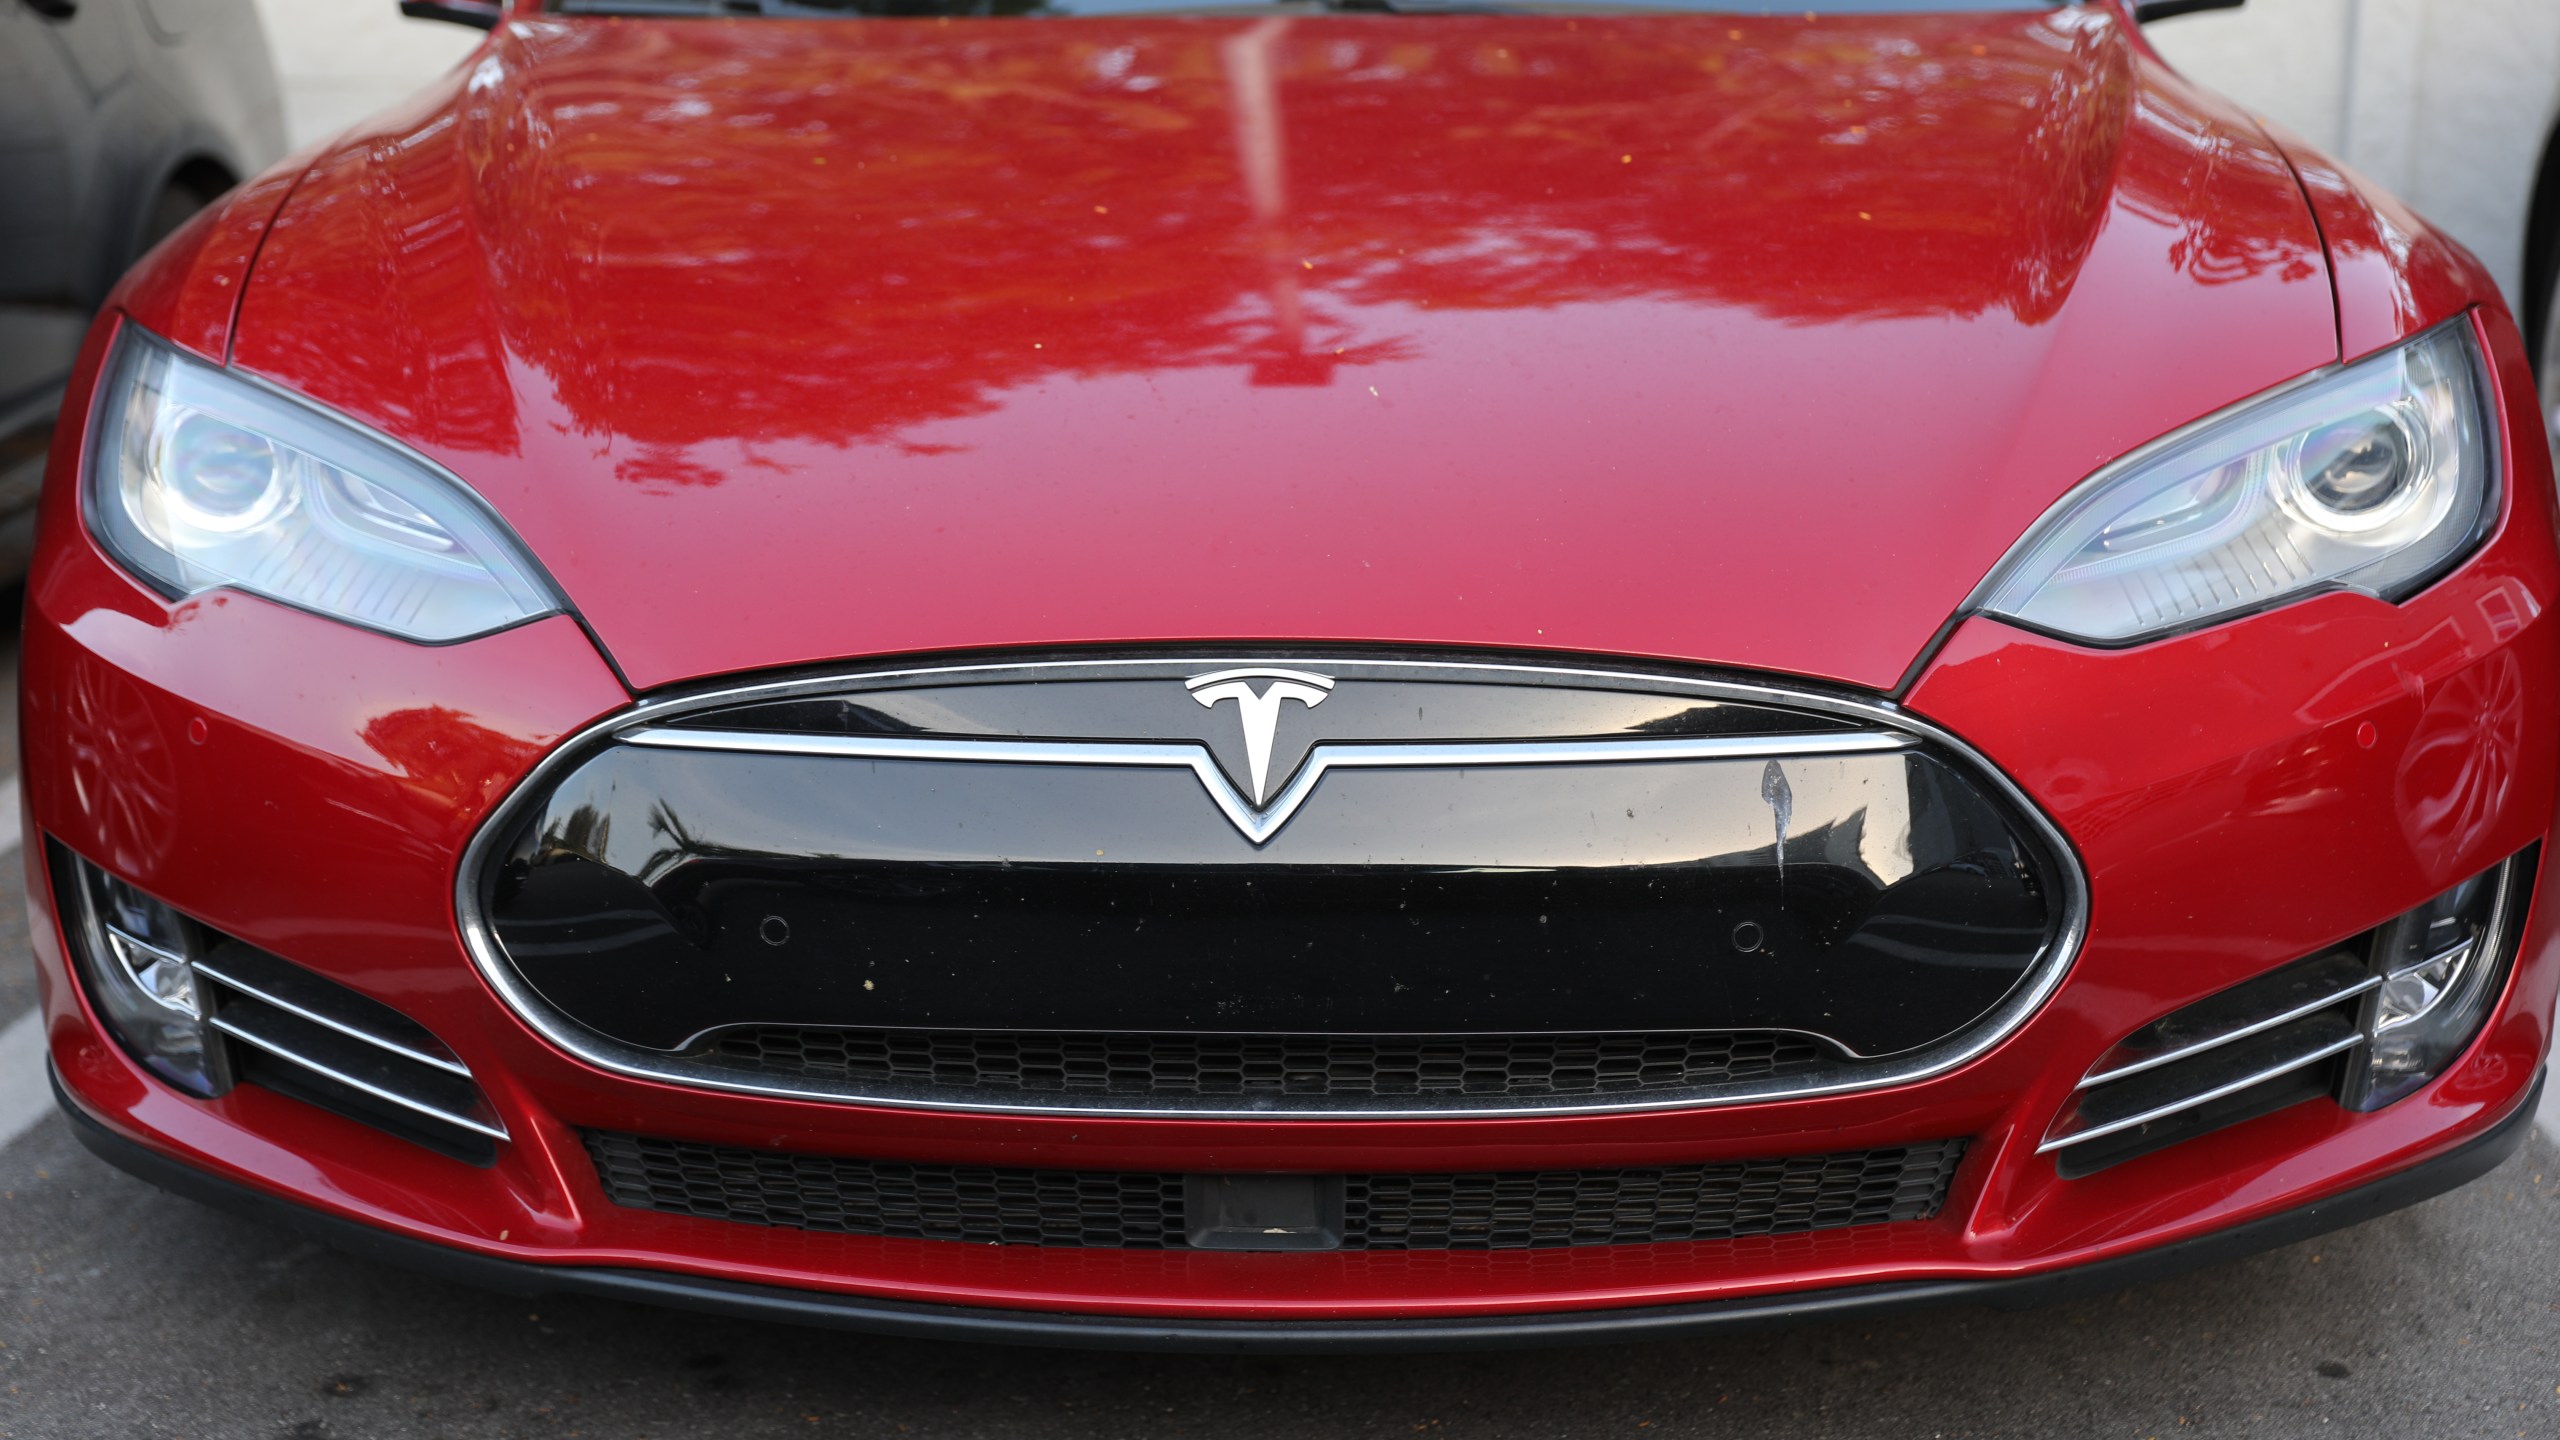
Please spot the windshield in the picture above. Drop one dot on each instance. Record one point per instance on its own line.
(859, 9)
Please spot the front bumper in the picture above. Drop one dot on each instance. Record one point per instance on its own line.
(338, 852)
(2456, 1167)
(2238, 799)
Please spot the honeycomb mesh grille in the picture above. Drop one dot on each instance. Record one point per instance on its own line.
(1545, 1209)
(1424, 1066)
(1141, 1211)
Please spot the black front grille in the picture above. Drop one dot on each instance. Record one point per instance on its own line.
(1075, 887)
(1075, 1063)
(1145, 1211)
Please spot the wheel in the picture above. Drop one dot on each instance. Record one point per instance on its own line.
(2546, 356)
(196, 184)
(177, 203)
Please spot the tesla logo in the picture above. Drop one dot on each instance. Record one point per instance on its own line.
(1259, 694)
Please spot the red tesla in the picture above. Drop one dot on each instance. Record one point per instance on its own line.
(1300, 674)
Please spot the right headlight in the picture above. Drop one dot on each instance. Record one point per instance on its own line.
(2376, 477)
(201, 478)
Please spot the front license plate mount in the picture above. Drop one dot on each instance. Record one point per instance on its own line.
(1263, 1212)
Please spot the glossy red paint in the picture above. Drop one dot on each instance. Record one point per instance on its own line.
(1617, 335)
(192, 282)
(514, 280)
(2395, 274)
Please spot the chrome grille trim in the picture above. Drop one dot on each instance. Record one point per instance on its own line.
(2283, 1066)
(2198, 1047)
(254, 1034)
(1882, 718)
(270, 994)
(1262, 824)
(342, 1050)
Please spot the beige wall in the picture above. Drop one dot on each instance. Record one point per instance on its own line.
(341, 60)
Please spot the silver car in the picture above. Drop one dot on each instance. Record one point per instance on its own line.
(119, 119)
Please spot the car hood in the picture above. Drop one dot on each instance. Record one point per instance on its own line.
(1744, 341)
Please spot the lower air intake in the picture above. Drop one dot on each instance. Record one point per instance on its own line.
(2358, 1024)
(206, 1012)
(321, 1043)
(1525, 1210)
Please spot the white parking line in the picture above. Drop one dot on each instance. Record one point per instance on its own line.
(25, 1098)
(2549, 1119)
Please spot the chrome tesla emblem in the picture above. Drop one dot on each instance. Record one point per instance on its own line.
(1259, 695)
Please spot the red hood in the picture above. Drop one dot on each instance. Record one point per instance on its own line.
(1735, 340)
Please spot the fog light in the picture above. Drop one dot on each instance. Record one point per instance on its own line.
(136, 962)
(2442, 967)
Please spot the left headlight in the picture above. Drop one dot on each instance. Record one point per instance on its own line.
(198, 478)
(2376, 477)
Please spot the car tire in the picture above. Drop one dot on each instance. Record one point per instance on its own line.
(176, 204)
(2546, 352)
(21, 474)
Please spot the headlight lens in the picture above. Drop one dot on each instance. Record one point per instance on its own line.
(200, 479)
(2375, 478)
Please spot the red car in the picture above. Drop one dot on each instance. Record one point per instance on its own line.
(1263, 676)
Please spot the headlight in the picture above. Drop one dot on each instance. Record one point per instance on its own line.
(2377, 478)
(199, 478)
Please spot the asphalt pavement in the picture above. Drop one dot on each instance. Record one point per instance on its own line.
(125, 1311)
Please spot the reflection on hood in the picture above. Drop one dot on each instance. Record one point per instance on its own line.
(688, 255)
